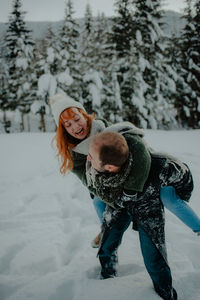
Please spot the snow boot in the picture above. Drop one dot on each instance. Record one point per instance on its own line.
(108, 273)
(96, 241)
(166, 295)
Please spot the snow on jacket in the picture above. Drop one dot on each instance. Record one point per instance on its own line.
(147, 209)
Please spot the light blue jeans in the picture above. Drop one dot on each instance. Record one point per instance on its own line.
(171, 201)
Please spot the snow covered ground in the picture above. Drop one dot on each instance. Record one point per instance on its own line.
(47, 222)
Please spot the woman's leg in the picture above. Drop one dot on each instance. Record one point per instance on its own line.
(99, 207)
(179, 208)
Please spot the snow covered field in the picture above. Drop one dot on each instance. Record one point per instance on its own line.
(47, 222)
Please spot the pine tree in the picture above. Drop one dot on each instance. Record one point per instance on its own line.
(122, 27)
(100, 88)
(17, 29)
(69, 79)
(149, 43)
(105, 62)
(19, 60)
(122, 38)
(92, 78)
(144, 76)
(3, 84)
(195, 65)
(46, 68)
(3, 92)
(86, 41)
(48, 61)
(133, 90)
(187, 102)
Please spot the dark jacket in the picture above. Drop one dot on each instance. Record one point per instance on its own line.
(147, 209)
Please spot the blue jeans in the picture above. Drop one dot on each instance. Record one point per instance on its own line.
(111, 240)
(171, 201)
(179, 208)
(99, 207)
(155, 264)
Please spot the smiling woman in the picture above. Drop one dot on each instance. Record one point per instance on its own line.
(73, 126)
(75, 123)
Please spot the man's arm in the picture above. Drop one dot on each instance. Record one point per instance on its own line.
(139, 171)
(141, 163)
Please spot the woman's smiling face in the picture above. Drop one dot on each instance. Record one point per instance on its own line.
(75, 123)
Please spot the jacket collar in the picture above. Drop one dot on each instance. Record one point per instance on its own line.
(83, 147)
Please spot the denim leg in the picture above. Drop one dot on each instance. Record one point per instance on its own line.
(179, 208)
(99, 207)
(156, 266)
(108, 251)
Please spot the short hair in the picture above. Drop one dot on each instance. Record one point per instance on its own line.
(113, 148)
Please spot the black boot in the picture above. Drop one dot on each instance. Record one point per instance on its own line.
(168, 294)
(109, 266)
(108, 273)
(175, 294)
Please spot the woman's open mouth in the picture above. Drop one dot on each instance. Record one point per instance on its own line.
(80, 132)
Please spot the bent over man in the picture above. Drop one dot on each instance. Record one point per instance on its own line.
(129, 178)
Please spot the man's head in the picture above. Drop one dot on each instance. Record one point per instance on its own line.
(108, 151)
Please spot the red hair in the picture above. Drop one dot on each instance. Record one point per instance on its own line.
(65, 143)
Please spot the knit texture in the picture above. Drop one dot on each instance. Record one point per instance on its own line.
(60, 102)
(108, 186)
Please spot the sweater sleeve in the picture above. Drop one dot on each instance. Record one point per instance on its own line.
(141, 163)
(79, 161)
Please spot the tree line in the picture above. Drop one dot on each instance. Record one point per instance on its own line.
(121, 68)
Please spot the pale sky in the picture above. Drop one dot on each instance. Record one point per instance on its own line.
(53, 10)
